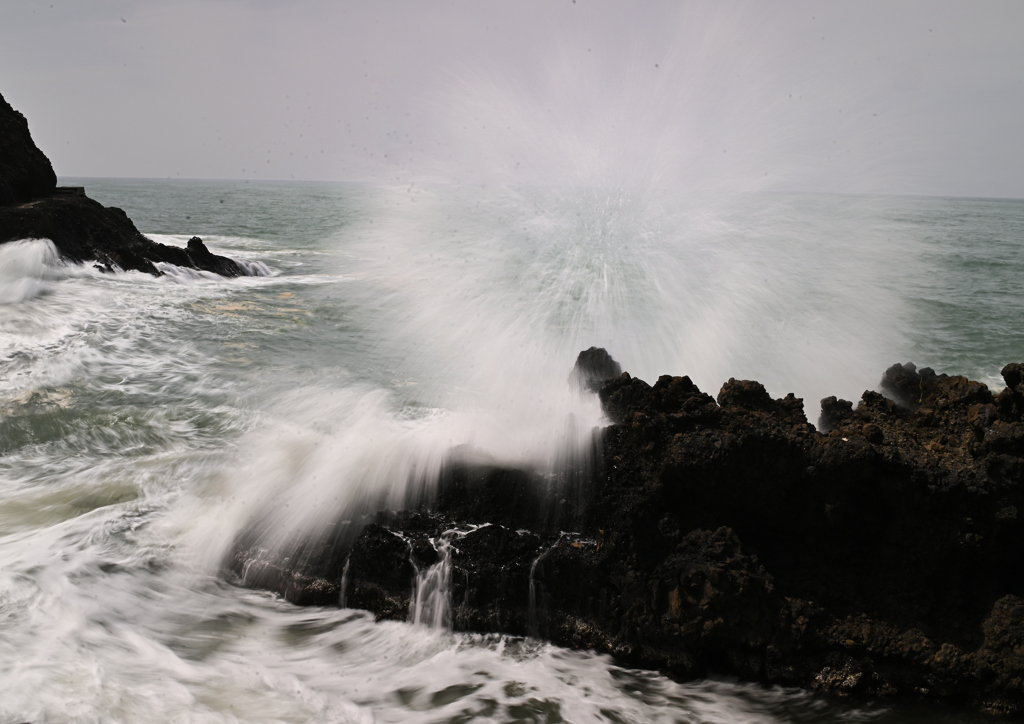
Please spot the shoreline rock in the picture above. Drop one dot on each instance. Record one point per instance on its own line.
(27, 172)
(883, 558)
(32, 206)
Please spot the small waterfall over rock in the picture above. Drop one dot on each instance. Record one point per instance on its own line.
(533, 619)
(343, 597)
(431, 603)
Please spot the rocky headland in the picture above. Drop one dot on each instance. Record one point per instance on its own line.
(880, 556)
(32, 206)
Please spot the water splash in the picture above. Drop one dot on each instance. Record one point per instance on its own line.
(176, 402)
(27, 269)
(476, 303)
(253, 268)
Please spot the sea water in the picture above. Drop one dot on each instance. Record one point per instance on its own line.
(145, 421)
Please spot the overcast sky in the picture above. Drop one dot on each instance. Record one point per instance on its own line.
(903, 97)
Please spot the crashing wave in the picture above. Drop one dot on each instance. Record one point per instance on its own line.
(253, 268)
(26, 269)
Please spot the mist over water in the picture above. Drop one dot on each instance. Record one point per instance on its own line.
(147, 421)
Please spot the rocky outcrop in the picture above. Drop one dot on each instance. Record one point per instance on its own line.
(882, 558)
(25, 172)
(32, 207)
(84, 230)
(593, 366)
(892, 541)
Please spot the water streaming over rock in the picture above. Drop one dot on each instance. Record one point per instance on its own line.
(343, 596)
(432, 593)
(535, 608)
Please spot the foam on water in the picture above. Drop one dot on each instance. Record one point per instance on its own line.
(251, 267)
(104, 625)
(145, 421)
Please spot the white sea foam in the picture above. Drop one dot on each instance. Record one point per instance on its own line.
(250, 267)
(27, 268)
(185, 275)
(254, 268)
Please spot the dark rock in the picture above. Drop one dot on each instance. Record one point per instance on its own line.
(980, 416)
(873, 433)
(84, 230)
(381, 573)
(1013, 375)
(1010, 402)
(491, 581)
(884, 558)
(33, 207)
(308, 572)
(478, 491)
(706, 607)
(903, 383)
(624, 396)
(25, 172)
(594, 366)
(746, 394)
(69, 191)
(203, 258)
(834, 412)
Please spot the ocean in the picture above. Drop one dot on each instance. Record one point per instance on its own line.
(143, 419)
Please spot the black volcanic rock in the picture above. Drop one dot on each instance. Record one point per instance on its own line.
(81, 229)
(25, 172)
(594, 366)
(84, 230)
(884, 558)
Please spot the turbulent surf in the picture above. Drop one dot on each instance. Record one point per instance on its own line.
(147, 421)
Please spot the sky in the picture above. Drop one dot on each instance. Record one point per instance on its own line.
(913, 97)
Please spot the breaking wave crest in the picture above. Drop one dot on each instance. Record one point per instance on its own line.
(26, 269)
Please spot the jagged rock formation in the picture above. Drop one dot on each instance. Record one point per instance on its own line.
(26, 172)
(593, 367)
(882, 558)
(82, 229)
(892, 542)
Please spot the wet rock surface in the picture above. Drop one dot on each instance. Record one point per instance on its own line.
(891, 543)
(33, 207)
(882, 558)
